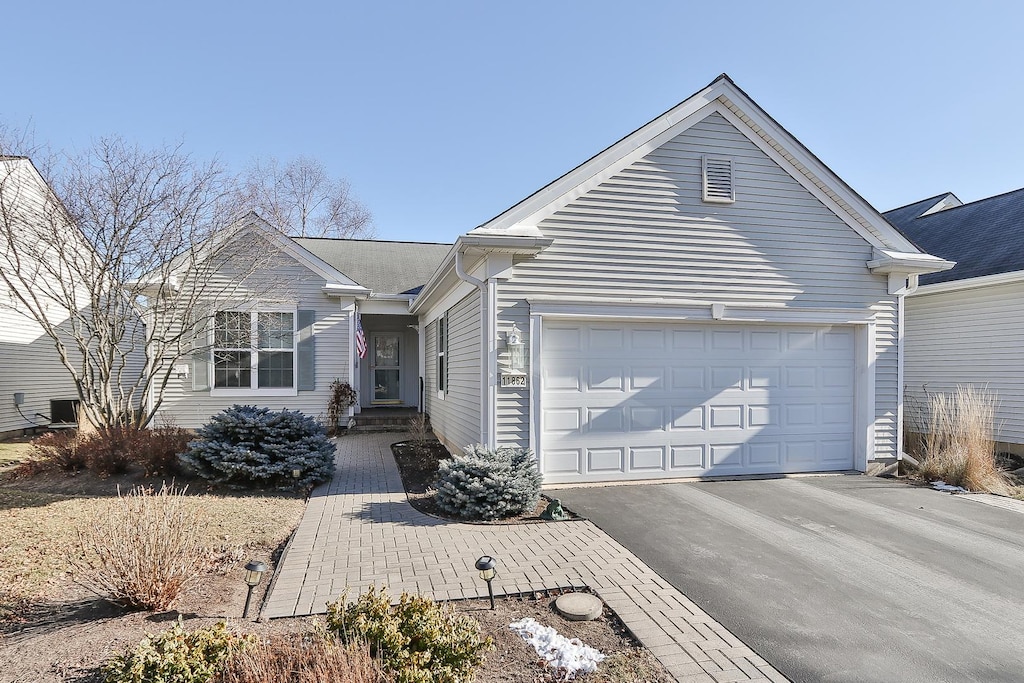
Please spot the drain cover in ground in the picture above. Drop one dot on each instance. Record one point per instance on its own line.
(578, 606)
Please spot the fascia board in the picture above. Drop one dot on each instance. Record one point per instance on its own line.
(971, 283)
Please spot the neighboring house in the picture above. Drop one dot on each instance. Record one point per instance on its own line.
(965, 326)
(704, 297)
(35, 387)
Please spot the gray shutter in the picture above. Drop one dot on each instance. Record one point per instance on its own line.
(306, 348)
(201, 357)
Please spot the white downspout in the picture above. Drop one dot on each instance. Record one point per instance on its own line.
(486, 402)
(901, 302)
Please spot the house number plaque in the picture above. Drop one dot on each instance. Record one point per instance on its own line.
(514, 381)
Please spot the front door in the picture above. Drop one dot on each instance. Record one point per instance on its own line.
(386, 370)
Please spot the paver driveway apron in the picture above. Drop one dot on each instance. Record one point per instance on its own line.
(360, 530)
(849, 578)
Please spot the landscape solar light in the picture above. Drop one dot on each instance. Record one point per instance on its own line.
(254, 571)
(486, 565)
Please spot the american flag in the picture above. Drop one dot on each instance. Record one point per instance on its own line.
(360, 337)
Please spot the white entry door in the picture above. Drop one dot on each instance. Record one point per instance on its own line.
(386, 369)
(648, 400)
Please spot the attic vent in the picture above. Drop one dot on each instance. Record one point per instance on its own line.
(718, 179)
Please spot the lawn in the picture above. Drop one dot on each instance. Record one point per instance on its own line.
(13, 452)
(53, 629)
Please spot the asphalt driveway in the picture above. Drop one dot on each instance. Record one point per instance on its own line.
(841, 578)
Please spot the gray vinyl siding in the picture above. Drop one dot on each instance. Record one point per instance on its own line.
(332, 353)
(456, 417)
(646, 234)
(975, 337)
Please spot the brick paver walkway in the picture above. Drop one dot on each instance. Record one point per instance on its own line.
(359, 530)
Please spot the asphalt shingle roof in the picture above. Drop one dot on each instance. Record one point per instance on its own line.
(383, 267)
(985, 237)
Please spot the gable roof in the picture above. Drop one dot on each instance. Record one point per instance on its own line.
(382, 267)
(985, 237)
(723, 96)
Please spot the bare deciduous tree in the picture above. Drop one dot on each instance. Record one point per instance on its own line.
(123, 264)
(301, 198)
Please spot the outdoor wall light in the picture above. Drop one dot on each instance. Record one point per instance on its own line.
(254, 571)
(486, 565)
(516, 349)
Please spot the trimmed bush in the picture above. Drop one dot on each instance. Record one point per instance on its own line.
(59, 449)
(486, 484)
(417, 640)
(296, 658)
(177, 656)
(248, 446)
(142, 549)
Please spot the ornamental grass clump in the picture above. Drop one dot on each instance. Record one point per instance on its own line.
(959, 443)
(142, 549)
(416, 640)
(303, 658)
(246, 446)
(488, 484)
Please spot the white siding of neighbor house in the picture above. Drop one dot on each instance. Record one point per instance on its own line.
(29, 362)
(455, 418)
(301, 288)
(968, 337)
(646, 234)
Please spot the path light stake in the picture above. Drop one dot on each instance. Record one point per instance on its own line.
(486, 566)
(253, 575)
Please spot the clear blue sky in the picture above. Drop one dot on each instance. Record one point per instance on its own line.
(444, 114)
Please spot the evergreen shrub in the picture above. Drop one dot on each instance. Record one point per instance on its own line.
(177, 656)
(416, 640)
(250, 446)
(488, 484)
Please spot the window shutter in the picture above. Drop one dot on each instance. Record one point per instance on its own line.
(201, 357)
(306, 350)
(719, 184)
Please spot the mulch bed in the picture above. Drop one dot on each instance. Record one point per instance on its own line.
(418, 462)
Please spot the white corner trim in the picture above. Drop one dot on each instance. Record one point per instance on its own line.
(971, 283)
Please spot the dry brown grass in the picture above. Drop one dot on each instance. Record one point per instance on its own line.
(959, 444)
(38, 533)
(298, 658)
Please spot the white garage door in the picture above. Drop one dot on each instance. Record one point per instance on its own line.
(638, 401)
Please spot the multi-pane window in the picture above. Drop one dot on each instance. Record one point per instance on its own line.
(254, 350)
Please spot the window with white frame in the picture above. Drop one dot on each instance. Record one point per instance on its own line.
(442, 353)
(254, 350)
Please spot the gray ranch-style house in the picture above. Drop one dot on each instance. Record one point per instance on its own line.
(703, 297)
(964, 326)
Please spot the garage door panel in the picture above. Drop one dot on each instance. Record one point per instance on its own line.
(676, 400)
(605, 460)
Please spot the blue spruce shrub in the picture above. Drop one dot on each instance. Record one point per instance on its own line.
(250, 446)
(486, 484)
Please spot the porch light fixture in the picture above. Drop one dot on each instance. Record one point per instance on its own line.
(486, 565)
(516, 350)
(254, 571)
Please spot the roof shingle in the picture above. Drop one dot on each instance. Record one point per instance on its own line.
(383, 267)
(985, 237)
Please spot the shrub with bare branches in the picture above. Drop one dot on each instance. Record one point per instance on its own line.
(959, 443)
(143, 548)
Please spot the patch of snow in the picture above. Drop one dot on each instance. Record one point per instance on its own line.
(567, 654)
(943, 486)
